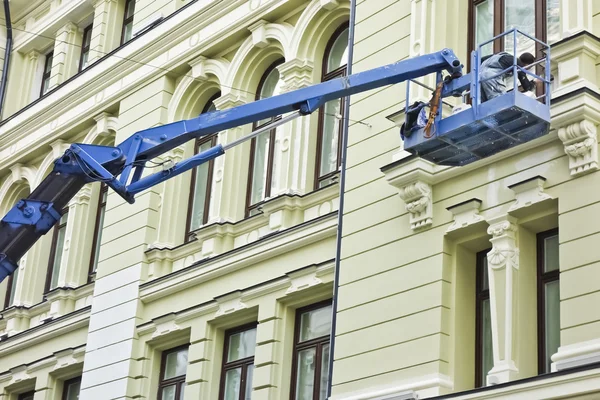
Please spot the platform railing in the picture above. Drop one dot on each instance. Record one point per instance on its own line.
(476, 81)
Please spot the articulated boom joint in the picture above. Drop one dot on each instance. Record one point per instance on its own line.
(40, 214)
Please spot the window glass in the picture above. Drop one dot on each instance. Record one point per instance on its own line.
(315, 323)
(330, 139)
(485, 284)
(58, 253)
(487, 356)
(241, 345)
(551, 261)
(98, 239)
(338, 55)
(484, 25)
(324, 372)
(169, 392)
(553, 21)
(200, 190)
(259, 169)
(249, 375)
(233, 380)
(552, 320)
(176, 364)
(13, 287)
(305, 374)
(73, 391)
(519, 14)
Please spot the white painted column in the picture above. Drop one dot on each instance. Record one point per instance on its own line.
(106, 35)
(67, 52)
(173, 207)
(503, 272)
(230, 177)
(575, 16)
(294, 168)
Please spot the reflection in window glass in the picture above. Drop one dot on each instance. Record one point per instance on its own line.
(484, 25)
(238, 364)
(519, 14)
(553, 21)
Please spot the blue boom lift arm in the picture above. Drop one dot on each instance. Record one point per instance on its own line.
(80, 164)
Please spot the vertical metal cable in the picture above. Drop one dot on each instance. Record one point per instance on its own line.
(338, 250)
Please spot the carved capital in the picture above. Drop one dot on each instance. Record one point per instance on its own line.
(418, 199)
(82, 197)
(33, 56)
(504, 246)
(230, 100)
(296, 74)
(102, 123)
(581, 145)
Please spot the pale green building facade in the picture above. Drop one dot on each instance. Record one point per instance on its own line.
(478, 282)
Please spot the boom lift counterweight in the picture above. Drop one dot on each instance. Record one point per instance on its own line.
(121, 167)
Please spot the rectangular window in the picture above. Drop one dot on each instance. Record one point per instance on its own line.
(127, 32)
(238, 363)
(11, 286)
(98, 229)
(548, 298)
(201, 187)
(71, 389)
(47, 73)
(311, 352)
(56, 251)
(85, 47)
(26, 396)
(484, 360)
(172, 373)
(489, 18)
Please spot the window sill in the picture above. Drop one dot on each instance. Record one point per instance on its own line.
(57, 303)
(303, 218)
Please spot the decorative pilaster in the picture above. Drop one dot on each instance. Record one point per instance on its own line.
(227, 168)
(418, 198)
(173, 207)
(67, 50)
(78, 240)
(30, 79)
(503, 268)
(575, 16)
(104, 37)
(581, 145)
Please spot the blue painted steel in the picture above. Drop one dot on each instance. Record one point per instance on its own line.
(40, 214)
(7, 266)
(177, 169)
(486, 128)
(158, 140)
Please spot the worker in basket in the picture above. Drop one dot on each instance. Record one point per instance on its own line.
(493, 64)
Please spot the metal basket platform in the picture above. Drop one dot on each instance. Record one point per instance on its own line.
(501, 123)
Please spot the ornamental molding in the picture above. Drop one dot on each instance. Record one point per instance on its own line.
(418, 198)
(296, 74)
(230, 303)
(465, 214)
(529, 192)
(504, 247)
(581, 145)
(302, 279)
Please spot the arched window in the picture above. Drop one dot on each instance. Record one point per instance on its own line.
(260, 180)
(201, 179)
(330, 126)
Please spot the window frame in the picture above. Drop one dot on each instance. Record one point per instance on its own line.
(327, 76)
(47, 72)
(97, 229)
(8, 293)
(212, 138)
(316, 343)
(85, 49)
(179, 381)
(244, 363)
(26, 395)
(271, 151)
(66, 385)
(127, 21)
(50, 269)
(481, 295)
(543, 278)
